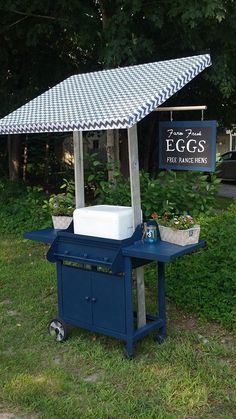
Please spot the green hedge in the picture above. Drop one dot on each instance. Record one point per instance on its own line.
(205, 282)
(202, 283)
(175, 192)
(21, 208)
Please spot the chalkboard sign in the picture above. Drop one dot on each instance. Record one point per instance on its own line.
(187, 145)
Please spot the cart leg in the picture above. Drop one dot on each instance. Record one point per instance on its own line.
(161, 300)
(129, 349)
(129, 308)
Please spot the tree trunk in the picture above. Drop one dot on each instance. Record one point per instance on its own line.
(112, 147)
(47, 162)
(25, 161)
(124, 161)
(148, 135)
(14, 156)
(106, 7)
(58, 151)
(112, 151)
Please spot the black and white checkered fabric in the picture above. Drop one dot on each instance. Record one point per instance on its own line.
(107, 99)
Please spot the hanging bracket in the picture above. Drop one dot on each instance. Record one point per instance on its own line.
(181, 108)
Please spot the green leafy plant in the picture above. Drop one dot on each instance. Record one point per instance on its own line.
(178, 192)
(115, 191)
(178, 222)
(204, 282)
(21, 208)
(171, 192)
(62, 203)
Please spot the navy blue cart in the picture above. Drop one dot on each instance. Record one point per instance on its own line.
(94, 277)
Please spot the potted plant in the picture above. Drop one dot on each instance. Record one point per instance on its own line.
(61, 206)
(178, 229)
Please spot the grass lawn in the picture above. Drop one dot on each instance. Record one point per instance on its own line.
(192, 375)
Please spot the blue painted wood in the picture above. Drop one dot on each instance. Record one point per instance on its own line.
(91, 327)
(147, 329)
(59, 290)
(162, 297)
(103, 302)
(129, 307)
(108, 301)
(209, 151)
(95, 251)
(160, 251)
(76, 295)
(47, 235)
(84, 296)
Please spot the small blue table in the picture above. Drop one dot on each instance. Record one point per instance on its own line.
(102, 300)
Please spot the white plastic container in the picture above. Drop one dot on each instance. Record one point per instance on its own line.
(107, 221)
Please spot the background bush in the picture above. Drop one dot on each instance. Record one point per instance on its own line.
(171, 191)
(21, 208)
(202, 283)
(205, 282)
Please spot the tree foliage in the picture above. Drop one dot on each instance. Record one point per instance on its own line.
(43, 42)
(141, 31)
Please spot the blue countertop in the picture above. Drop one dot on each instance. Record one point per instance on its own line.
(45, 236)
(160, 251)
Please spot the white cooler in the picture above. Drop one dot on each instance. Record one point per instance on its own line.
(107, 221)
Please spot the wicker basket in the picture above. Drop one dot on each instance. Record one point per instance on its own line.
(180, 237)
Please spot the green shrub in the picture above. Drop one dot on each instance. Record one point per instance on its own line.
(170, 191)
(178, 192)
(175, 192)
(205, 282)
(21, 208)
(114, 192)
(62, 203)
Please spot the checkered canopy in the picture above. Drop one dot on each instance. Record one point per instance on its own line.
(107, 99)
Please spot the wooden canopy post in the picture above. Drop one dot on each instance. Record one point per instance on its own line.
(137, 215)
(79, 169)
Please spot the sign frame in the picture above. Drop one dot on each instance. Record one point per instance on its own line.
(211, 167)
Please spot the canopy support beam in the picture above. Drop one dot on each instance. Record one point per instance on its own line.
(79, 169)
(137, 215)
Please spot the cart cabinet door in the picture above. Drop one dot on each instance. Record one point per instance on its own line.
(108, 301)
(75, 295)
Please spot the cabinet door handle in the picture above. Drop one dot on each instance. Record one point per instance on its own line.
(93, 300)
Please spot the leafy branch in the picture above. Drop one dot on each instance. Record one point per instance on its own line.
(26, 14)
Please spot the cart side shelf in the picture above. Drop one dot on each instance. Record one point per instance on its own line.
(160, 251)
(46, 235)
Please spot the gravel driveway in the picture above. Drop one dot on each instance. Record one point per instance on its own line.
(227, 190)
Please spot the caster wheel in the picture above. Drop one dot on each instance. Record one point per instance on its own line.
(159, 339)
(58, 329)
